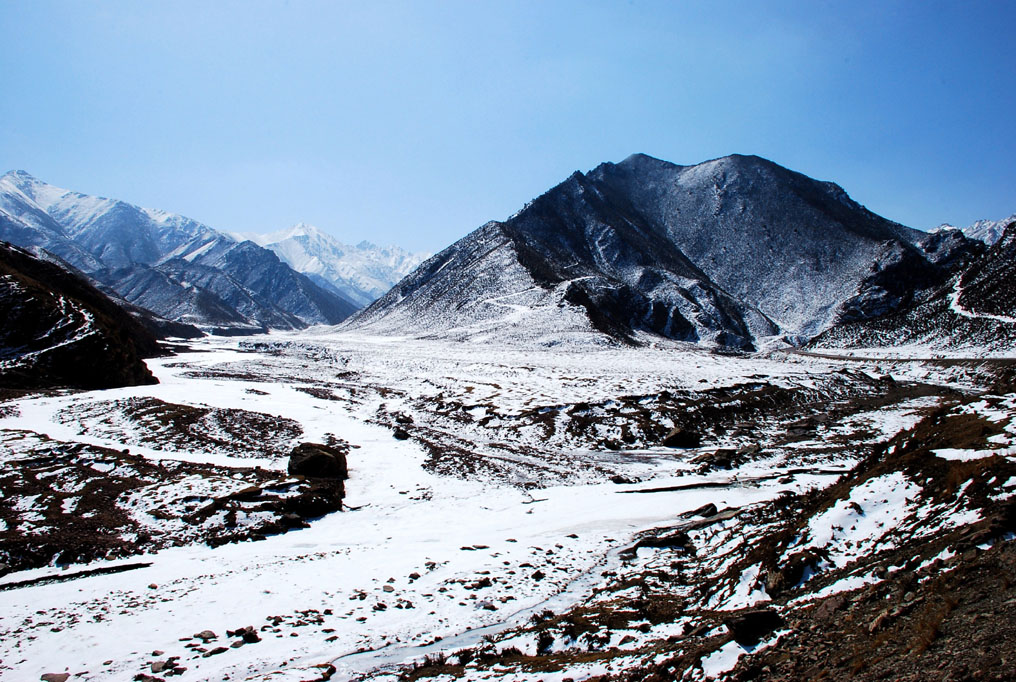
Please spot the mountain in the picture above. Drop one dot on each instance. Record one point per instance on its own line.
(988, 231)
(60, 331)
(176, 267)
(361, 273)
(975, 308)
(726, 252)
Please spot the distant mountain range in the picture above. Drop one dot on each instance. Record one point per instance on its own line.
(987, 231)
(172, 265)
(730, 252)
(361, 273)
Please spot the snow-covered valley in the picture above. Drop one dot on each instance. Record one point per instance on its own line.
(508, 495)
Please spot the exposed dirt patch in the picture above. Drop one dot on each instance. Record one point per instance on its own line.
(170, 426)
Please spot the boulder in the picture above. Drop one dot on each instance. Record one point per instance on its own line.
(55, 677)
(680, 437)
(316, 460)
(750, 627)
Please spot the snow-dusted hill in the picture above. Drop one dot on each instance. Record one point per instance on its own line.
(725, 252)
(988, 231)
(361, 273)
(172, 265)
(974, 310)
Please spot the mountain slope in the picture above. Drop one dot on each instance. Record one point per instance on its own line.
(726, 252)
(976, 308)
(361, 273)
(60, 331)
(200, 275)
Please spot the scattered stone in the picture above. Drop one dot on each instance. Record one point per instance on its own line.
(539, 575)
(205, 635)
(216, 651)
(400, 434)
(55, 677)
(414, 576)
(388, 588)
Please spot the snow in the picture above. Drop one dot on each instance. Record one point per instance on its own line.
(967, 455)
(409, 520)
(361, 273)
(853, 526)
(327, 583)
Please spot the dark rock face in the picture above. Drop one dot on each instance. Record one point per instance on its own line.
(976, 305)
(316, 460)
(60, 331)
(989, 284)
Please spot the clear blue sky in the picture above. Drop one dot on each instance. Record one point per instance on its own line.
(415, 122)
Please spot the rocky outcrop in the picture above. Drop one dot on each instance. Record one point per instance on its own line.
(59, 330)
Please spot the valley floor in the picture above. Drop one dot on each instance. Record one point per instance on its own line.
(509, 514)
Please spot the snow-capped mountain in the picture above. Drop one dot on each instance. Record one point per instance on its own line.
(361, 273)
(176, 267)
(988, 231)
(728, 252)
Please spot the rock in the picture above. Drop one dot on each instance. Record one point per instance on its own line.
(704, 511)
(680, 437)
(400, 434)
(317, 460)
(205, 635)
(4, 570)
(539, 575)
(414, 576)
(721, 459)
(750, 627)
(622, 480)
(158, 666)
(55, 677)
(388, 588)
(750, 449)
(486, 605)
(216, 651)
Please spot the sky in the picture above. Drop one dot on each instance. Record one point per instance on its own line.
(413, 123)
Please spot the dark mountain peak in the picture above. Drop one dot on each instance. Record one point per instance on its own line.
(726, 251)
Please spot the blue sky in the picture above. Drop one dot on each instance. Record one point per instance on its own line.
(415, 122)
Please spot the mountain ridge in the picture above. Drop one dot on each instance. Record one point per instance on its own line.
(727, 252)
(175, 266)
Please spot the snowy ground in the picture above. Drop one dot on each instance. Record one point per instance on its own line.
(419, 561)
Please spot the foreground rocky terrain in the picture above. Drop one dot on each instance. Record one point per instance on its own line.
(584, 512)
